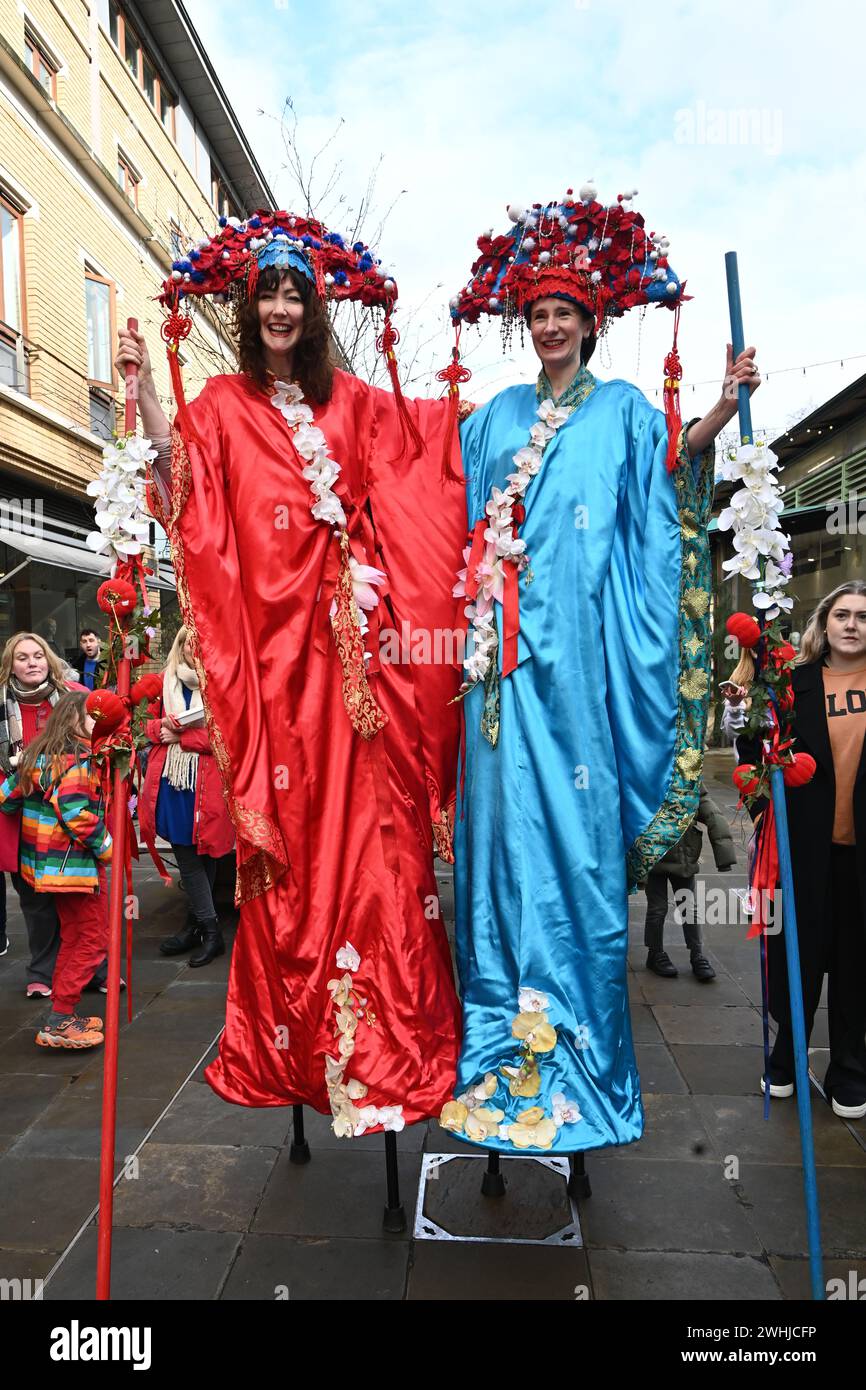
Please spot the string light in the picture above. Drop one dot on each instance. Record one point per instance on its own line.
(781, 371)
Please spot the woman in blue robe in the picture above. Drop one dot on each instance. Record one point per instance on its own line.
(585, 721)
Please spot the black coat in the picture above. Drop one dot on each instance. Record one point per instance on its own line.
(811, 808)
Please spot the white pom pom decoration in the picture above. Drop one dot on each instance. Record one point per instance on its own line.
(529, 243)
(671, 287)
(588, 192)
(595, 276)
(329, 279)
(544, 257)
(389, 284)
(494, 302)
(516, 212)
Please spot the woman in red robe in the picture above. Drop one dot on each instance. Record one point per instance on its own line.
(306, 528)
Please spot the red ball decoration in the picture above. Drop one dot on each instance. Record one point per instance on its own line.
(147, 687)
(745, 779)
(744, 628)
(106, 708)
(800, 771)
(116, 595)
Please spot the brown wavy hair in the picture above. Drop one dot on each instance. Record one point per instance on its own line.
(63, 734)
(313, 363)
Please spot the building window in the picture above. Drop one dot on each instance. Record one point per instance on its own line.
(100, 330)
(103, 420)
(13, 358)
(141, 66)
(42, 67)
(128, 179)
(219, 196)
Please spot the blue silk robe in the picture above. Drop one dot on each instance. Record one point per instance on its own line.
(596, 766)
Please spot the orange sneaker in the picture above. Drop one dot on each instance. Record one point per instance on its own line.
(92, 1021)
(72, 1032)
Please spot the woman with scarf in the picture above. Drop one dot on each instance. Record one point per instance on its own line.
(182, 802)
(31, 682)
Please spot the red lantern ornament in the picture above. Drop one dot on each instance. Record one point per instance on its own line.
(116, 596)
(745, 779)
(148, 688)
(744, 628)
(800, 771)
(106, 709)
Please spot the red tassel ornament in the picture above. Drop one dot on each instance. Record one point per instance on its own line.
(673, 377)
(386, 345)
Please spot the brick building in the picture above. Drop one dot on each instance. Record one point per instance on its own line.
(118, 149)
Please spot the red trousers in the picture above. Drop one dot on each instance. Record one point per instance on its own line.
(83, 943)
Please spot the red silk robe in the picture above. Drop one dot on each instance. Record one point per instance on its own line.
(335, 831)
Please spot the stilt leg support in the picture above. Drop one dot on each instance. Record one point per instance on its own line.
(493, 1182)
(300, 1150)
(394, 1219)
(578, 1183)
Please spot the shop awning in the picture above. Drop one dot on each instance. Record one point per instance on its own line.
(72, 557)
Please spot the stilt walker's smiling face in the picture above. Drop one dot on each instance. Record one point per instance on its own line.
(558, 328)
(281, 321)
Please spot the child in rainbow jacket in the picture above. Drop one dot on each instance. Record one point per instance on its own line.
(65, 844)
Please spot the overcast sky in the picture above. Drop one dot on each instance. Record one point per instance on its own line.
(741, 126)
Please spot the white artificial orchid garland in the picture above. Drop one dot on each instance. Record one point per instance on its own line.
(120, 499)
(763, 551)
(322, 472)
(501, 545)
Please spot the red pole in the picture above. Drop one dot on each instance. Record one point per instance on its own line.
(119, 803)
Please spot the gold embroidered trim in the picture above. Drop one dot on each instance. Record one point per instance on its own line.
(366, 715)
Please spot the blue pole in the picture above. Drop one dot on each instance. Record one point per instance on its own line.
(738, 342)
(789, 908)
(798, 1029)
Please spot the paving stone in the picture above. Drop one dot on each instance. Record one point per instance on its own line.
(72, 1128)
(23, 1097)
(200, 1070)
(657, 1071)
(200, 1116)
(43, 1201)
(641, 1205)
(206, 1187)
(146, 1066)
(337, 1194)
(152, 1265)
(775, 1195)
(673, 1276)
(27, 1265)
(717, 1069)
(686, 990)
(444, 1271)
(181, 1020)
(737, 1126)
(696, 1023)
(535, 1204)
(276, 1267)
(20, 1054)
(673, 1129)
(643, 1026)
(794, 1278)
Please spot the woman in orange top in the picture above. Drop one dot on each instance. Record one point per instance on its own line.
(827, 827)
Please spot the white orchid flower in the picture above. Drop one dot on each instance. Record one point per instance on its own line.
(348, 958)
